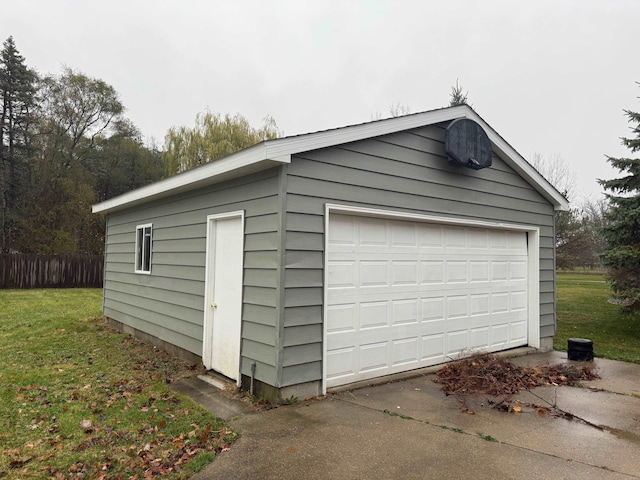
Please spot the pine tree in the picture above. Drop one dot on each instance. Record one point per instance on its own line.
(622, 234)
(458, 95)
(17, 97)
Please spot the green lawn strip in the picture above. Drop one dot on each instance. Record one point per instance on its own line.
(583, 311)
(78, 398)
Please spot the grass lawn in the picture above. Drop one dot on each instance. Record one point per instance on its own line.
(79, 400)
(584, 312)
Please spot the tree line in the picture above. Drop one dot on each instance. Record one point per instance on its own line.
(65, 144)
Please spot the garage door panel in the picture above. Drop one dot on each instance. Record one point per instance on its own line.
(404, 351)
(343, 274)
(456, 341)
(404, 311)
(500, 334)
(430, 236)
(518, 301)
(373, 357)
(432, 309)
(373, 273)
(403, 234)
(404, 272)
(479, 337)
(499, 271)
(507, 318)
(518, 270)
(470, 310)
(455, 237)
(457, 307)
(340, 364)
(432, 347)
(342, 318)
(374, 314)
(479, 304)
(343, 231)
(456, 272)
(478, 239)
(432, 272)
(518, 332)
(402, 295)
(479, 271)
(376, 270)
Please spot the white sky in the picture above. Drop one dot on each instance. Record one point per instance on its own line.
(552, 77)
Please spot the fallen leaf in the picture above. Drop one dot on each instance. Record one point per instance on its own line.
(20, 463)
(86, 425)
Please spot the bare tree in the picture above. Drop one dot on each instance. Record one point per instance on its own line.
(578, 231)
(395, 110)
(398, 110)
(557, 172)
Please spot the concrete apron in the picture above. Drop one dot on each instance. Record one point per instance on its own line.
(409, 429)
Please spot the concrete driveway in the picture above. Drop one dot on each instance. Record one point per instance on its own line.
(409, 429)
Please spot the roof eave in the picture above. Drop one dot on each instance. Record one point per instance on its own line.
(522, 167)
(279, 151)
(246, 161)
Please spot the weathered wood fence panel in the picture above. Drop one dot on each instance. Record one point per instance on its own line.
(51, 271)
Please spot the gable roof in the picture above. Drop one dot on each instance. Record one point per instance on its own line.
(279, 151)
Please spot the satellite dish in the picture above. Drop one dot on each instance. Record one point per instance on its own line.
(467, 145)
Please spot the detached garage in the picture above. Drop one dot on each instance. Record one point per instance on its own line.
(319, 260)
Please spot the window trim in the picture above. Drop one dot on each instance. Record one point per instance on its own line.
(142, 253)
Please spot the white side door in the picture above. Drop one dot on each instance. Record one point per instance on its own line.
(223, 293)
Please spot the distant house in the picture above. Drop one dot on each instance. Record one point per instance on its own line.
(318, 260)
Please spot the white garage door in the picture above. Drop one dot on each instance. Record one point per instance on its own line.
(403, 295)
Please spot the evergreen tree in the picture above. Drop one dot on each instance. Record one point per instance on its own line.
(18, 97)
(622, 233)
(124, 163)
(458, 95)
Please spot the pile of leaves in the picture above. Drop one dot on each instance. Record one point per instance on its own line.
(490, 375)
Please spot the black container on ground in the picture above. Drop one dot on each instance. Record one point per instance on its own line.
(580, 349)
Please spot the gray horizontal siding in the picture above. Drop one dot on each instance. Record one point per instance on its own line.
(307, 315)
(415, 199)
(157, 328)
(260, 314)
(168, 303)
(408, 172)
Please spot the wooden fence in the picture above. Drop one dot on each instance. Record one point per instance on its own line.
(51, 271)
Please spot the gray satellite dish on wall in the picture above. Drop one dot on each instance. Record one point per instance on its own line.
(467, 145)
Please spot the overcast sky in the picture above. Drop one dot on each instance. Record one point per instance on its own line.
(552, 77)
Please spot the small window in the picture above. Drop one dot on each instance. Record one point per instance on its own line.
(143, 248)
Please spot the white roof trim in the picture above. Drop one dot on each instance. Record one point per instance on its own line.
(245, 161)
(279, 151)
